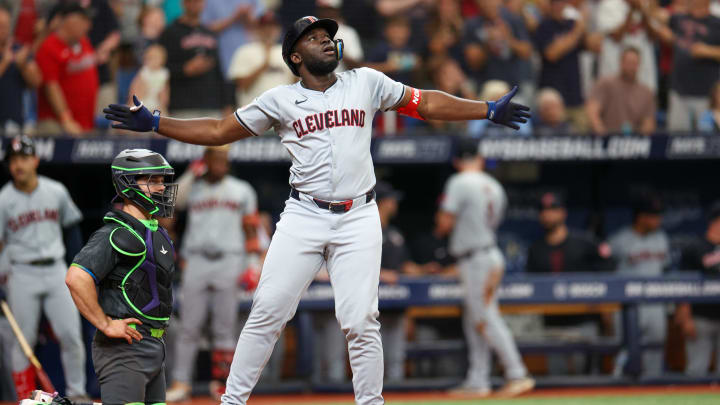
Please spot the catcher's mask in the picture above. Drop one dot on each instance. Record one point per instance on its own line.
(132, 164)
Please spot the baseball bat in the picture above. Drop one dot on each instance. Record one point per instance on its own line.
(45, 383)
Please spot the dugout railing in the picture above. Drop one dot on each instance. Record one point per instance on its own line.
(529, 291)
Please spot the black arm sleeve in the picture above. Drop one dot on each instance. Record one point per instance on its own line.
(73, 241)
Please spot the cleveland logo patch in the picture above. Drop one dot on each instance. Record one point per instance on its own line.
(31, 217)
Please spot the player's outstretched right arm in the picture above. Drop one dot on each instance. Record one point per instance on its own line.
(199, 131)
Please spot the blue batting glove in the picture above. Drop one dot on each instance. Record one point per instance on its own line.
(136, 118)
(505, 112)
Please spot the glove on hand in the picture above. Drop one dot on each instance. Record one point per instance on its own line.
(505, 112)
(136, 118)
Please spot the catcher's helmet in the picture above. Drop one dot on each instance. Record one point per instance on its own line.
(20, 145)
(300, 27)
(129, 164)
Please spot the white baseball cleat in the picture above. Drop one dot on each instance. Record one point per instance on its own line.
(217, 389)
(516, 387)
(178, 392)
(470, 391)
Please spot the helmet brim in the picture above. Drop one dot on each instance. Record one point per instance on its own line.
(330, 26)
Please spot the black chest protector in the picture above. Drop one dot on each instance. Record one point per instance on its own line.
(145, 270)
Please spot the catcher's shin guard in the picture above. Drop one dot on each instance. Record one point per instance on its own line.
(221, 361)
(24, 382)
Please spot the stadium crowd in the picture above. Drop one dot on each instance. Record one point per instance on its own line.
(585, 66)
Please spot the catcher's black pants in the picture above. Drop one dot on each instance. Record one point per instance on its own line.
(130, 373)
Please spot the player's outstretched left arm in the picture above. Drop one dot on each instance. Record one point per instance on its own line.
(438, 105)
(199, 131)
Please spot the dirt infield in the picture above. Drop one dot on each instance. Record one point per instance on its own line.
(545, 393)
(391, 397)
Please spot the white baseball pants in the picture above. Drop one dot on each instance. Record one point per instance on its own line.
(496, 336)
(33, 289)
(306, 235)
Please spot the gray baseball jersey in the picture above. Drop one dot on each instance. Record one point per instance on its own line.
(31, 227)
(326, 133)
(478, 202)
(644, 255)
(640, 255)
(215, 214)
(31, 224)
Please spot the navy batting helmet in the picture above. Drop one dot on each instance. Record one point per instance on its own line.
(20, 145)
(300, 27)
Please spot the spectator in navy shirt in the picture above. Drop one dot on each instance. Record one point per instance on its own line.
(496, 45)
(17, 71)
(444, 32)
(695, 38)
(560, 41)
(395, 57)
(196, 82)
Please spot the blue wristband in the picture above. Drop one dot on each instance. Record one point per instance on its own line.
(491, 110)
(156, 120)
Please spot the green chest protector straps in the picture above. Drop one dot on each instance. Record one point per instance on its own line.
(129, 243)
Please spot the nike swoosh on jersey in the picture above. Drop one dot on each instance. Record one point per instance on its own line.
(300, 101)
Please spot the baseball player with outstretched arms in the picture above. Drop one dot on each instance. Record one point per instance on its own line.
(324, 121)
(472, 208)
(121, 281)
(35, 212)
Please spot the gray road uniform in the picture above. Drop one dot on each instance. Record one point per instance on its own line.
(331, 348)
(7, 342)
(330, 217)
(394, 321)
(644, 256)
(132, 263)
(214, 250)
(31, 228)
(478, 202)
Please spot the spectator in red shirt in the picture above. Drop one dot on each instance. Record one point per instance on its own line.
(66, 101)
